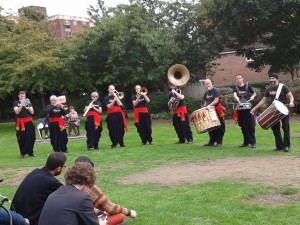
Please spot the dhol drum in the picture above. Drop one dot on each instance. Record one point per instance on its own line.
(243, 105)
(205, 119)
(275, 112)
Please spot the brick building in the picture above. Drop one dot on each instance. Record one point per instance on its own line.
(63, 26)
(229, 65)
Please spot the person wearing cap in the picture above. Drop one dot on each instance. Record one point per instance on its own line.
(116, 121)
(180, 117)
(25, 130)
(141, 117)
(103, 206)
(286, 97)
(73, 120)
(93, 125)
(57, 128)
(34, 190)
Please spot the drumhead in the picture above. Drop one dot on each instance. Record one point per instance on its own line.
(281, 107)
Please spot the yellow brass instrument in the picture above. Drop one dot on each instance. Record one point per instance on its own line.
(65, 107)
(119, 96)
(178, 75)
(144, 91)
(88, 108)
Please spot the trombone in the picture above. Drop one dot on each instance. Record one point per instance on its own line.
(119, 96)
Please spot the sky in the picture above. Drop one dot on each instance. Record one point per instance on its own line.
(55, 7)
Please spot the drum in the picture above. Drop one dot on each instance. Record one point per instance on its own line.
(243, 105)
(205, 119)
(275, 112)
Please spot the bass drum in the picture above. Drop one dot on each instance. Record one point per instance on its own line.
(274, 113)
(205, 119)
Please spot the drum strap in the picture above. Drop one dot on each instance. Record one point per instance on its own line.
(278, 91)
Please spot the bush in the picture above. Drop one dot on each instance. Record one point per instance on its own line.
(158, 103)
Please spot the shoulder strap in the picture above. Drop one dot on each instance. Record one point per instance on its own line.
(278, 91)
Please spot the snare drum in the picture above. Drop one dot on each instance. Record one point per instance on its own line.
(205, 119)
(275, 112)
(243, 105)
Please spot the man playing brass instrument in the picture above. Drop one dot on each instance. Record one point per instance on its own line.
(116, 122)
(93, 125)
(24, 126)
(180, 117)
(141, 117)
(58, 133)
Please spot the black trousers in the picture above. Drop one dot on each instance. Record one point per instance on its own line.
(144, 127)
(58, 138)
(26, 139)
(217, 134)
(92, 135)
(247, 123)
(182, 128)
(285, 125)
(115, 128)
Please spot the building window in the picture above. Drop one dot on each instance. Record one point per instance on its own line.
(75, 23)
(83, 23)
(67, 22)
(249, 59)
(68, 34)
(67, 26)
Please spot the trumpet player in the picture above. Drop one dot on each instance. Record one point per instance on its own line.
(25, 130)
(58, 133)
(141, 116)
(116, 122)
(93, 125)
(180, 117)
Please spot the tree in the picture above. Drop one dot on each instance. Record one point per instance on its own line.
(246, 24)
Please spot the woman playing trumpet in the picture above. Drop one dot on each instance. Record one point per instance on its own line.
(141, 117)
(93, 125)
(58, 133)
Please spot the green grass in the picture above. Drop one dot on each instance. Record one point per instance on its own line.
(219, 202)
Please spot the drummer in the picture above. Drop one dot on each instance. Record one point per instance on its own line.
(244, 94)
(286, 97)
(212, 98)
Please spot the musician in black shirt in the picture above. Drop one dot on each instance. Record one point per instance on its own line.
(285, 97)
(180, 117)
(141, 117)
(58, 133)
(93, 124)
(25, 130)
(244, 94)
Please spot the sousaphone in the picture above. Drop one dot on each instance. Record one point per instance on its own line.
(178, 75)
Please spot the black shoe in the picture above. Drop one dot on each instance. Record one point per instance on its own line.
(21, 156)
(253, 146)
(113, 146)
(179, 142)
(208, 144)
(218, 145)
(32, 155)
(190, 142)
(243, 145)
(286, 149)
(277, 149)
(122, 146)
(97, 148)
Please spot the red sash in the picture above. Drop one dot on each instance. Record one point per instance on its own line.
(137, 111)
(97, 119)
(180, 111)
(21, 123)
(235, 115)
(58, 120)
(118, 109)
(219, 110)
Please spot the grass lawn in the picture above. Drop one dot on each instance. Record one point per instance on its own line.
(221, 201)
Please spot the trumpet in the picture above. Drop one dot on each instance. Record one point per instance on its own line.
(64, 107)
(144, 91)
(119, 96)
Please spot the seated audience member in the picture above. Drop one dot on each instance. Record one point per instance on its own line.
(43, 126)
(115, 213)
(69, 204)
(34, 190)
(17, 219)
